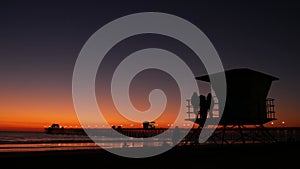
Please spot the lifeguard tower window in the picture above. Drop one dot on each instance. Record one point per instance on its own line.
(246, 101)
(270, 108)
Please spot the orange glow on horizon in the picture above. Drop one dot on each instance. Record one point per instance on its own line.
(33, 109)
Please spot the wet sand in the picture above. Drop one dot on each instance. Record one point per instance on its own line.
(275, 155)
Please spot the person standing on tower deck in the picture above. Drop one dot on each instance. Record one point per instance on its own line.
(195, 103)
(210, 104)
(203, 110)
(204, 107)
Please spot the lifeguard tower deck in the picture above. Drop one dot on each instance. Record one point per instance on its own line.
(246, 110)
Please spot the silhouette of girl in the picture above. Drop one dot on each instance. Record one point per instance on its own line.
(203, 108)
(209, 100)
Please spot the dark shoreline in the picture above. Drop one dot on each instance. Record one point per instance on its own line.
(275, 155)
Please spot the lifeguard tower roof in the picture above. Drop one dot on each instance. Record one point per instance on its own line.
(241, 72)
(247, 92)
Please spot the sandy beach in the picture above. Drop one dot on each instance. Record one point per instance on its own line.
(275, 155)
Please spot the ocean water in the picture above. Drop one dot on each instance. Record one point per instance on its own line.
(39, 141)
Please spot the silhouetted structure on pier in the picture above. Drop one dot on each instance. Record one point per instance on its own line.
(246, 102)
(57, 129)
(148, 125)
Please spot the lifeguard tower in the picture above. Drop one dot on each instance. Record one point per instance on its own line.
(246, 110)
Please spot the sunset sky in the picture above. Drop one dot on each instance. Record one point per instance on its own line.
(40, 42)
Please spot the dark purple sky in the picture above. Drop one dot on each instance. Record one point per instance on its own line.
(40, 40)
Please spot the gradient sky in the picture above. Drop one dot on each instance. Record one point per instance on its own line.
(40, 42)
